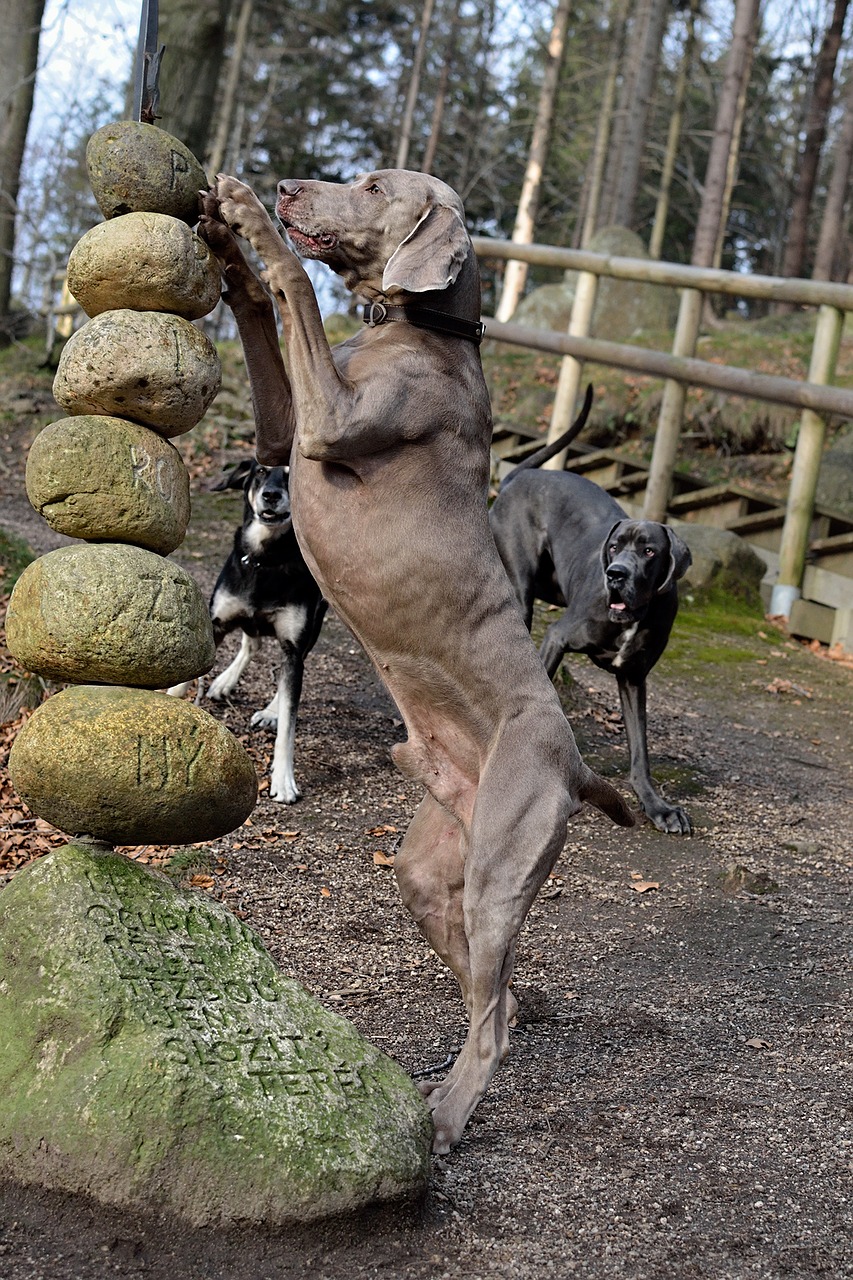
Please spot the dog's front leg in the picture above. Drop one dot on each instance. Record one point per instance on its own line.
(254, 313)
(666, 817)
(314, 375)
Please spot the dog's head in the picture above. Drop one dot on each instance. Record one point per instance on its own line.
(267, 499)
(641, 560)
(390, 232)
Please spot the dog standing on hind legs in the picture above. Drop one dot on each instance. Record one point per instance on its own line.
(388, 442)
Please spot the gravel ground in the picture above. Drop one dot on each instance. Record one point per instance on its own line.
(677, 1101)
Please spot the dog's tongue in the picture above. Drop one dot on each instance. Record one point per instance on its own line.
(617, 606)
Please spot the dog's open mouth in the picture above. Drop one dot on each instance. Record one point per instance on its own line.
(617, 609)
(312, 246)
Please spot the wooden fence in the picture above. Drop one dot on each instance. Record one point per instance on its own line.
(815, 397)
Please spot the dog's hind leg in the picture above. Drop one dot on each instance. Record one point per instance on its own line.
(430, 869)
(517, 834)
(473, 919)
(225, 683)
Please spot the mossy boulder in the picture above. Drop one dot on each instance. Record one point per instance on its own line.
(109, 613)
(132, 767)
(623, 308)
(154, 1057)
(144, 262)
(149, 366)
(108, 479)
(721, 560)
(137, 167)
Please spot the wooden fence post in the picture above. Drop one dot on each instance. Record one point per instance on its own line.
(580, 323)
(665, 448)
(804, 473)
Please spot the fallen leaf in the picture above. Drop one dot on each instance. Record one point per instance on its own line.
(199, 881)
(289, 835)
(643, 886)
(757, 1043)
(381, 859)
(325, 893)
(386, 829)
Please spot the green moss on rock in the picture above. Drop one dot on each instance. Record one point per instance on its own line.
(137, 167)
(152, 1055)
(145, 262)
(107, 479)
(109, 613)
(149, 366)
(132, 767)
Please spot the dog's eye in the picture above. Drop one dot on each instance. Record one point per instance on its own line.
(650, 551)
(374, 189)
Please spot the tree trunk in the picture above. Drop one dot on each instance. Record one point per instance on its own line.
(19, 47)
(227, 106)
(605, 122)
(414, 84)
(441, 91)
(738, 62)
(649, 38)
(832, 228)
(676, 123)
(194, 36)
(525, 220)
(793, 263)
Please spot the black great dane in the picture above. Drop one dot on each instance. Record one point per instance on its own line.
(564, 540)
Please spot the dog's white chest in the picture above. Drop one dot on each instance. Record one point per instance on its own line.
(289, 622)
(626, 641)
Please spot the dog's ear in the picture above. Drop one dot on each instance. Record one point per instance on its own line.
(680, 559)
(431, 256)
(235, 477)
(605, 546)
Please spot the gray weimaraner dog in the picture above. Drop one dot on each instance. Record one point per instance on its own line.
(389, 473)
(566, 541)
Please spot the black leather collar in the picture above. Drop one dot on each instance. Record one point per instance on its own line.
(375, 313)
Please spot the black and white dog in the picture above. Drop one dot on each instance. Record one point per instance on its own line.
(565, 540)
(266, 589)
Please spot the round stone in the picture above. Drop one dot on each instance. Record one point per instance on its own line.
(136, 167)
(132, 767)
(145, 262)
(157, 369)
(109, 613)
(107, 479)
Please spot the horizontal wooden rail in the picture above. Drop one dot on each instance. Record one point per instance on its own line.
(648, 271)
(738, 382)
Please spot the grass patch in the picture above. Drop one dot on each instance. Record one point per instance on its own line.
(715, 629)
(188, 861)
(15, 555)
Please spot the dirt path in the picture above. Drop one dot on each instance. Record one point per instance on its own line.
(677, 1102)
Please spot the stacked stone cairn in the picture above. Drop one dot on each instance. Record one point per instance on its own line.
(110, 616)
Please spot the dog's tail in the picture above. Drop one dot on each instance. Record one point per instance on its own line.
(596, 791)
(551, 450)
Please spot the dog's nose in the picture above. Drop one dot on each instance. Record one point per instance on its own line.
(616, 573)
(288, 188)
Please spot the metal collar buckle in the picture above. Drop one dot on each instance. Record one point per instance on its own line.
(375, 313)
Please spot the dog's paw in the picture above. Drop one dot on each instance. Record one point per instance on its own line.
(266, 719)
(242, 211)
(673, 820)
(219, 692)
(285, 793)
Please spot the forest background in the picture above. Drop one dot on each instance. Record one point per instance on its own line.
(613, 109)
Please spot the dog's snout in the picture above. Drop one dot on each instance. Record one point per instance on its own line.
(288, 188)
(616, 572)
